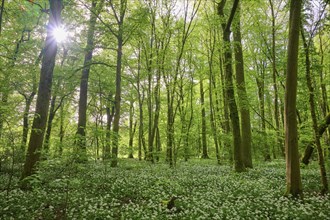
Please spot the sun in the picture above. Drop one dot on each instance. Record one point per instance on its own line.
(60, 34)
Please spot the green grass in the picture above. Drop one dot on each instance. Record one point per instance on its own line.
(139, 190)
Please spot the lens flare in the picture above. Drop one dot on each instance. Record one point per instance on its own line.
(60, 34)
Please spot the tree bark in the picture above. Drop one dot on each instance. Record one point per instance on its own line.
(28, 102)
(141, 142)
(1, 13)
(276, 105)
(116, 118)
(324, 105)
(293, 179)
(203, 114)
(229, 87)
(82, 108)
(323, 173)
(131, 130)
(44, 92)
(242, 94)
(110, 112)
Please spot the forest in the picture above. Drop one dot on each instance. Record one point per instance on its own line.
(164, 109)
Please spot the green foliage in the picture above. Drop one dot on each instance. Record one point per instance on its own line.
(138, 190)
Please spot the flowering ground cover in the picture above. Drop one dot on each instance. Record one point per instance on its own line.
(198, 189)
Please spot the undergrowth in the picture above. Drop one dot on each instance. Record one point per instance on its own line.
(139, 190)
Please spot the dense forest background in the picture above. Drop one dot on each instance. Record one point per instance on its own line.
(163, 81)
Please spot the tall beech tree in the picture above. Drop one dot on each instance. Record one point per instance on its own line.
(293, 179)
(203, 116)
(82, 107)
(307, 45)
(242, 94)
(119, 15)
(274, 73)
(229, 86)
(44, 92)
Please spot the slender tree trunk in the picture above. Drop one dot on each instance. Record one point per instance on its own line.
(4, 102)
(115, 141)
(293, 179)
(170, 129)
(156, 113)
(212, 119)
(317, 137)
(225, 122)
(44, 92)
(242, 94)
(110, 112)
(276, 105)
(61, 134)
(158, 144)
(229, 88)
(120, 42)
(49, 124)
(131, 130)
(150, 109)
(28, 102)
(1, 13)
(141, 140)
(261, 93)
(324, 105)
(203, 114)
(82, 109)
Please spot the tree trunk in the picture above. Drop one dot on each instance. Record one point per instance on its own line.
(82, 116)
(203, 114)
(158, 144)
(28, 102)
(276, 106)
(110, 112)
(116, 118)
(242, 95)
(324, 105)
(323, 173)
(44, 92)
(115, 142)
(131, 130)
(293, 179)
(157, 112)
(310, 147)
(170, 130)
(225, 120)
(1, 13)
(212, 119)
(61, 133)
(229, 87)
(49, 125)
(261, 93)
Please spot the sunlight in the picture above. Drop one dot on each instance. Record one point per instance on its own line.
(60, 34)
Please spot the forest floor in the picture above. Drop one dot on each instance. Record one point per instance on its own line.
(197, 189)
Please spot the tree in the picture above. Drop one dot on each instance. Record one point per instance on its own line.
(229, 87)
(1, 13)
(293, 179)
(120, 42)
(242, 94)
(82, 117)
(307, 44)
(274, 71)
(203, 116)
(44, 92)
